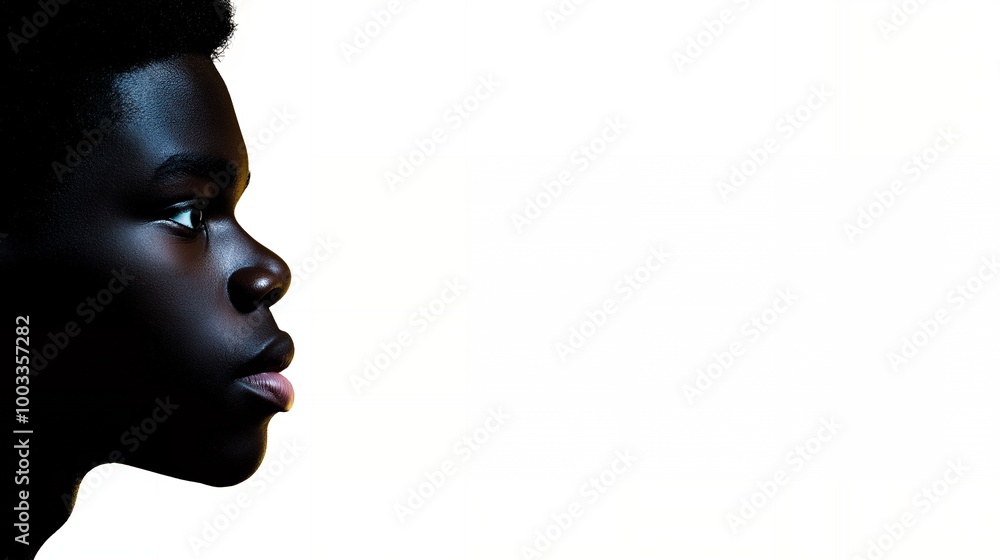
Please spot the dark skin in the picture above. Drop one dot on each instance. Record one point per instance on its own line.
(170, 299)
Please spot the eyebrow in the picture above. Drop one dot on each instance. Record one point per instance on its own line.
(213, 168)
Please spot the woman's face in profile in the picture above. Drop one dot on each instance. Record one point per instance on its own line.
(150, 217)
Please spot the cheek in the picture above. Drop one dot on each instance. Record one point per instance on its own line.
(175, 276)
(189, 330)
(187, 325)
(180, 307)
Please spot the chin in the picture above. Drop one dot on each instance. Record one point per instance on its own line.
(220, 460)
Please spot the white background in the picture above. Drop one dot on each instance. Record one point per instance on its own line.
(827, 357)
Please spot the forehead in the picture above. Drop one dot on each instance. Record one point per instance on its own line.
(176, 106)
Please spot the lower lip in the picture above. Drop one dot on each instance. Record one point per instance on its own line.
(273, 387)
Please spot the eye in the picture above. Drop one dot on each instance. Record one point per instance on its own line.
(191, 218)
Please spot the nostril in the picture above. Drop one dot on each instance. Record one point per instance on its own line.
(272, 296)
(251, 287)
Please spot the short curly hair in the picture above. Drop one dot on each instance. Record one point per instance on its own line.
(59, 65)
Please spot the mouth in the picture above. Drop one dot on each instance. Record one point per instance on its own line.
(271, 386)
(267, 383)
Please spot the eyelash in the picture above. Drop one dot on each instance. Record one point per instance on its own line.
(194, 221)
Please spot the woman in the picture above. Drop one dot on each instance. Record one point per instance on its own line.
(146, 305)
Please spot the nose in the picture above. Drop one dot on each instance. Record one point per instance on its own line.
(262, 284)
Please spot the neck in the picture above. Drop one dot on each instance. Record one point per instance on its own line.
(49, 496)
(58, 453)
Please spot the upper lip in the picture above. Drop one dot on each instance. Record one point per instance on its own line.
(275, 356)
